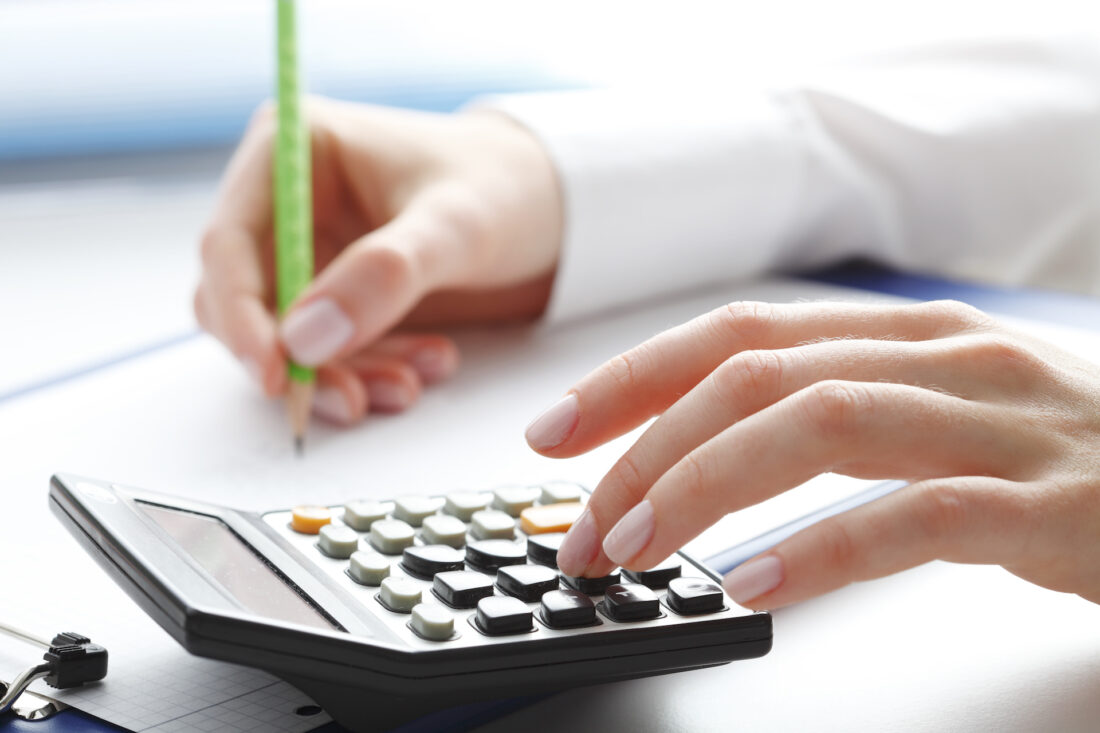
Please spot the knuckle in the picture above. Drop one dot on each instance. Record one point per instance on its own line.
(835, 546)
(955, 314)
(624, 370)
(1001, 352)
(692, 481)
(746, 321)
(209, 247)
(832, 408)
(388, 266)
(625, 480)
(942, 511)
(755, 372)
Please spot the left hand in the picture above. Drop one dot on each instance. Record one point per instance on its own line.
(998, 433)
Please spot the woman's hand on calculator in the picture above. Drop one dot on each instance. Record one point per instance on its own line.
(420, 221)
(999, 434)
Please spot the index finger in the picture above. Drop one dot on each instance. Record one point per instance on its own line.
(234, 287)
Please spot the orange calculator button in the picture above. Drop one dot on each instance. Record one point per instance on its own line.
(549, 518)
(308, 519)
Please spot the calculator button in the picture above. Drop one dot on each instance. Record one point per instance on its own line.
(591, 586)
(550, 518)
(413, 509)
(564, 608)
(559, 492)
(432, 622)
(336, 540)
(688, 596)
(656, 577)
(428, 560)
(491, 555)
(462, 588)
(360, 515)
(308, 518)
(543, 548)
(527, 582)
(399, 594)
(463, 504)
(368, 567)
(630, 602)
(441, 529)
(391, 536)
(503, 615)
(514, 499)
(492, 524)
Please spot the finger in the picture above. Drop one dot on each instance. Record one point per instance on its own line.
(857, 429)
(392, 385)
(970, 366)
(340, 396)
(967, 519)
(233, 284)
(434, 356)
(640, 383)
(373, 283)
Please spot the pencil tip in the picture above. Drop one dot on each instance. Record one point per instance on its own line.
(299, 445)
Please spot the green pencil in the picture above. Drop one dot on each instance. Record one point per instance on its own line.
(293, 205)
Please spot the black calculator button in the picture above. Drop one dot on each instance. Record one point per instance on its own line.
(427, 560)
(527, 582)
(591, 586)
(543, 548)
(657, 577)
(503, 615)
(462, 588)
(630, 602)
(564, 608)
(491, 555)
(694, 595)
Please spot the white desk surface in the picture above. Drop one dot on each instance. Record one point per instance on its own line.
(941, 647)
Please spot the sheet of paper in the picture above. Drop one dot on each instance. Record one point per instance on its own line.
(186, 421)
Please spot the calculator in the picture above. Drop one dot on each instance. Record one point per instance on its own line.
(384, 611)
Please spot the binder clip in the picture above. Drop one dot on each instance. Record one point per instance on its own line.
(70, 661)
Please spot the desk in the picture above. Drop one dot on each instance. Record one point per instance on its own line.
(935, 648)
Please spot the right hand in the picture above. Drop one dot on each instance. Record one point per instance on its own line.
(420, 221)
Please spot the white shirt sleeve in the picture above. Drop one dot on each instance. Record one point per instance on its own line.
(981, 162)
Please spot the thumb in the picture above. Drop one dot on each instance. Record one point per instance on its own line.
(380, 277)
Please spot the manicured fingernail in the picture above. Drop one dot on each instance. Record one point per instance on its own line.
(754, 578)
(630, 536)
(329, 403)
(433, 363)
(316, 331)
(551, 428)
(386, 396)
(253, 368)
(578, 549)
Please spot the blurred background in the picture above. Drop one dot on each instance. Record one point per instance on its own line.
(117, 116)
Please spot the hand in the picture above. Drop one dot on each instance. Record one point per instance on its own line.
(420, 221)
(998, 433)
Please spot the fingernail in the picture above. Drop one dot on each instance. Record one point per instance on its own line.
(386, 396)
(253, 369)
(630, 536)
(578, 549)
(551, 428)
(754, 578)
(316, 331)
(329, 403)
(432, 363)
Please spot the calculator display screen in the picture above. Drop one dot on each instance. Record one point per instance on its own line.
(235, 566)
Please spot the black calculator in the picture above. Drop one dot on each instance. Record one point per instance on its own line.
(384, 611)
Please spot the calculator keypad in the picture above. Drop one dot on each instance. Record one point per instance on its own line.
(488, 560)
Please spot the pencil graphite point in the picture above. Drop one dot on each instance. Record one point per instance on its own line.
(299, 445)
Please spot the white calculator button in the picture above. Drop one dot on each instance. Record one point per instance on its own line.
(413, 509)
(336, 540)
(391, 536)
(360, 515)
(399, 594)
(463, 504)
(559, 492)
(514, 499)
(433, 622)
(441, 529)
(368, 567)
(492, 524)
